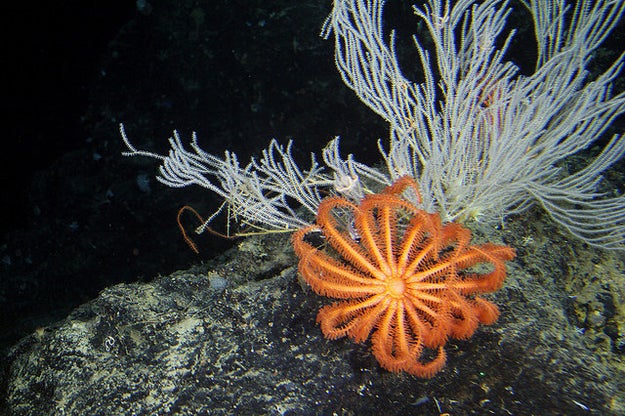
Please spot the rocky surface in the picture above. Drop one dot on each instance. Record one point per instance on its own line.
(238, 335)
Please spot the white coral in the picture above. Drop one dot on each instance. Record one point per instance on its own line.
(480, 138)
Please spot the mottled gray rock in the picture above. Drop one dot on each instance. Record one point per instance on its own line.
(178, 345)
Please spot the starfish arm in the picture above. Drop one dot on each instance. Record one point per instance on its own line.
(487, 312)
(427, 323)
(369, 230)
(430, 368)
(338, 319)
(396, 350)
(484, 282)
(463, 321)
(451, 238)
(400, 185)
(455, 235)
(329, 278)
(367, 321)
(412, 248)
(380, 231)
(392, 352)
(429, 273)
(345, 246)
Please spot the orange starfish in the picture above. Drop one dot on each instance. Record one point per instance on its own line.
(408, 278)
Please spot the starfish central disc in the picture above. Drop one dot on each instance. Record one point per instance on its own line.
(396, 287)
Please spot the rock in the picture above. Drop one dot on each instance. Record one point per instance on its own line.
(177, 346)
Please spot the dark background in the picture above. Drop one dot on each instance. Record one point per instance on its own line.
(51, 52)
(237, 72)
